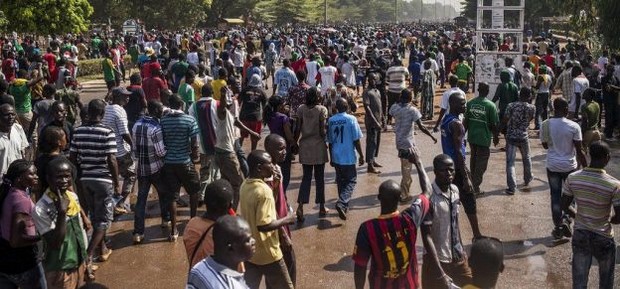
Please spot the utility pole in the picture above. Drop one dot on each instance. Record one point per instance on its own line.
(396, 11)
(325, 13)
(421, 9)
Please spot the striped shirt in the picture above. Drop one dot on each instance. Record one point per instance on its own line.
(115, 117)
(93, 143)
(595, 192)
(148, 146)
(209, 274)
(396, 76)
(178, 128)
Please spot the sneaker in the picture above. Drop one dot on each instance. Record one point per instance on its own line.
(566, 230)
(557, 233)
(341, 213)
(138, 238)
(173, 237)
(509, 192)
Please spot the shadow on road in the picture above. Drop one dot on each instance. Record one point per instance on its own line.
(344, 264)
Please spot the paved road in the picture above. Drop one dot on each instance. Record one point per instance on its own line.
(324, 246)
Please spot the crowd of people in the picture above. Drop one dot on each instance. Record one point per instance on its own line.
(193, 98)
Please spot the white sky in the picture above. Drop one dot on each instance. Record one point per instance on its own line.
(454, 3)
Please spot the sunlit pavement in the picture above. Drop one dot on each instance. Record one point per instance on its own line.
(324, 246)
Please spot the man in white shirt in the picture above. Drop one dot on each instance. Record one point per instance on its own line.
(396, 76)
(312, 67)
(115, 118)
(562, 138)
(453, 80)
(327, 76)
(580, 83)
(13, 141)
(232, 244)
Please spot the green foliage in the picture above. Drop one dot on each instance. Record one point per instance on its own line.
(3, 22)
(47, 16)
(608, 12)
(93, 66)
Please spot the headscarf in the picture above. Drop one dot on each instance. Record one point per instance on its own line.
(255, 81)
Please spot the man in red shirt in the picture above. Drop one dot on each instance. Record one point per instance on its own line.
(151, 66)
(550, 59)
(153, 86)
(9, 67)
(50, 58)
(389, 240)
(299, 62)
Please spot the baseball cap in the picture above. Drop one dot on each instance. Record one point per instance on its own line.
(118, 91)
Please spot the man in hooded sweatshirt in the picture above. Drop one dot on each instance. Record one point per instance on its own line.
(507, 92)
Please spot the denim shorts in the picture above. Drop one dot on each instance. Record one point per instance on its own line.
(101, 202)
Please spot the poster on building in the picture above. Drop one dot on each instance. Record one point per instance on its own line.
(490, 65)
(497, 19)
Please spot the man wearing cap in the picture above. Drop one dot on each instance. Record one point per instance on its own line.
(115, 118)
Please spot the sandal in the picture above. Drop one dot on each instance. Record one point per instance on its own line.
(300, 215)
(105, 257)
(323, 212)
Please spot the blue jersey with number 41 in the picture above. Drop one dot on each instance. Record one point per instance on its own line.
(343, 131)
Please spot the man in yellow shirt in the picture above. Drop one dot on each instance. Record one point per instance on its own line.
(218, 83)
(257, 206)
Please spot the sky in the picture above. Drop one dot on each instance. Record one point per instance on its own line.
(454, 3)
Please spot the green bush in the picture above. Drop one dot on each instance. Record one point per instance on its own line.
(93, 66)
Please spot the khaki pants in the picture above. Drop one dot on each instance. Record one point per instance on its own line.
(590, 136)
(68, 279)
(230, 170)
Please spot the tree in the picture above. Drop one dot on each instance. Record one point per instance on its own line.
(3, 21)
(47, 16)
(608, 11)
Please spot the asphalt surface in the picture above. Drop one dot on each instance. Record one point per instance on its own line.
(324, 246)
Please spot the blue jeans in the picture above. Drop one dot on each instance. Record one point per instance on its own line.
(144, 186)
(511, 154)
(556, 179)
(243, 161)
(31, 279)
(588, 245)
(306, 182)
(346, 178)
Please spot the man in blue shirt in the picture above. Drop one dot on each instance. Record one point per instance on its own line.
(284, 79)
(414, 72)
(181, 141)
(343, 136)
(453, 144)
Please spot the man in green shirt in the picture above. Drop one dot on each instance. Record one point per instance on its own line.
(463, 72)
(590, 115)
(481, 122)
(62, 223)
(109, 71)
(506, 92)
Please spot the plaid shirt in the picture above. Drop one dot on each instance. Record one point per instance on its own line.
(565, 81)
(148, 146)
